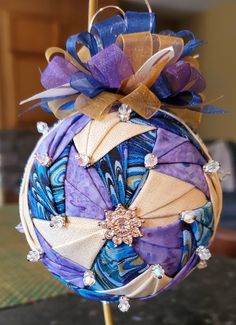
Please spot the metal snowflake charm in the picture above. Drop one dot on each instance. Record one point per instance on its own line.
(121, 225)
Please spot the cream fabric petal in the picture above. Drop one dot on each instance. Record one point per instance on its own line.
(100, 137)
(216, 198)
(191, 200)
(167, 197)
(80, 241)
(144, 285)
(94, 132)
(160, 221)
(24, 209)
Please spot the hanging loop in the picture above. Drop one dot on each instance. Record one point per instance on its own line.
(116, 8)
(103, 9)
(148, 6)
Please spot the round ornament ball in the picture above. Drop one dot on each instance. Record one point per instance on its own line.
(120, 208)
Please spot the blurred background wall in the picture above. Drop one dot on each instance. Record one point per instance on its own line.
(218, 27)
(28, 27)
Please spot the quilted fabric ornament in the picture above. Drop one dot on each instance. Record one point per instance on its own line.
(121, 199)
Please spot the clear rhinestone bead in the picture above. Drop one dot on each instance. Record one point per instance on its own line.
(42, 128)
(150, 161)
(187, 216)
(58, 221)
(202, 265)
(158, 271)
(34, 256)
(124, 113)
(20, 228)
(124, 304)
(211, 167)
(43, 159)
(83, 160)
(89, 279)
(203, 253)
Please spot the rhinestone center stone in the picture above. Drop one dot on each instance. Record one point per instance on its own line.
(121, 225)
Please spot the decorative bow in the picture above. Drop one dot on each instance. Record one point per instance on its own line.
(143, 70)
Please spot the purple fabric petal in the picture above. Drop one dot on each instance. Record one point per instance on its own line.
(67, 275)
(190, 173)
(167, 141)
(87, 182)
(110, 66)
(177, 157)
(185, 271)
(185, 153)
(61, 266)
(80, 205)
(57, 73)
(100, 187)
(56, 141)
(162, 245)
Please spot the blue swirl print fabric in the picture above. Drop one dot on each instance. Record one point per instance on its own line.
(114, 267)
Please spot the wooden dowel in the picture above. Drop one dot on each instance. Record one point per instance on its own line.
(93, 7)
(107, 313)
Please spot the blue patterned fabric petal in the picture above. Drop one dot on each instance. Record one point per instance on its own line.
(202, 228)
(88, 294)
(40, 196)
(139, 187)
(138, 148)
(112, 170)
(188, 245)
(199, 232)
(122, 169)
(57, 173)
(114, 267)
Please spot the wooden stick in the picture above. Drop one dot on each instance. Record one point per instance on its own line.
(107, 313)
(93, 7)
